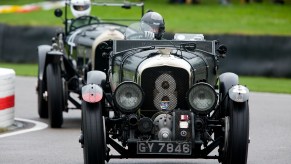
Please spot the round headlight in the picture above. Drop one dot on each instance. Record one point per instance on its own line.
(202, 98)
(128, 97)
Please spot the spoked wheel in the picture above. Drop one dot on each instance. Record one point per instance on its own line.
(94, 147)
(235, 149)
(42, 103)
(55, 98)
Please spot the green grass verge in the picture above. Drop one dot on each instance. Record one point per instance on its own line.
(265, 84)
(209, 17)
(256, 84)
(21, 69)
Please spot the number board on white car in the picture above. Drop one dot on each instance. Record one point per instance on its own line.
(164, 147)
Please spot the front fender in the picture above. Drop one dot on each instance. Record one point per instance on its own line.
(226, 81)
(47, 55)
(96, 77)
(239, 93)
(42, 52)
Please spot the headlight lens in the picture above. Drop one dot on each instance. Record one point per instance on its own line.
(128, 97)
(202, 98)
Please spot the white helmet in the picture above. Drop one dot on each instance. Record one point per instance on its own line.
(80, 7)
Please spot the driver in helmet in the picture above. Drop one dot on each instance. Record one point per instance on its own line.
(156, 22)
(80, 8)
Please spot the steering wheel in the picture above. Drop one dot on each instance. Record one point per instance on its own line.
(83, 21)
(138, 35)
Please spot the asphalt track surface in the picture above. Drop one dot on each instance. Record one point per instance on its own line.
(270, 131)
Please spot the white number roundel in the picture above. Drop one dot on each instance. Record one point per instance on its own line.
(165, 98)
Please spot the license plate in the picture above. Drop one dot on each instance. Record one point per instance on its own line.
(162, 147)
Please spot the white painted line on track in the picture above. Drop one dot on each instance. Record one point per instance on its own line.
(37, 126)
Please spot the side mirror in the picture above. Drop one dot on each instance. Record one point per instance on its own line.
(222, 50)
(58, 13)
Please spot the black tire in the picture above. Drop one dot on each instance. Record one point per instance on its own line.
(42, 103)
(55, 98)
(94, 147)
(235, 150)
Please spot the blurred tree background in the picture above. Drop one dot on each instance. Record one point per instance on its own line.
(258, 17)
(238, 17)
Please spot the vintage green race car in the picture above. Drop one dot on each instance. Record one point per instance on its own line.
(63, 65)
(164, 99)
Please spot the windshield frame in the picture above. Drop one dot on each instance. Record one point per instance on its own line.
(110, 3)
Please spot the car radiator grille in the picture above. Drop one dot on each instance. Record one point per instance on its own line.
(165, 89)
